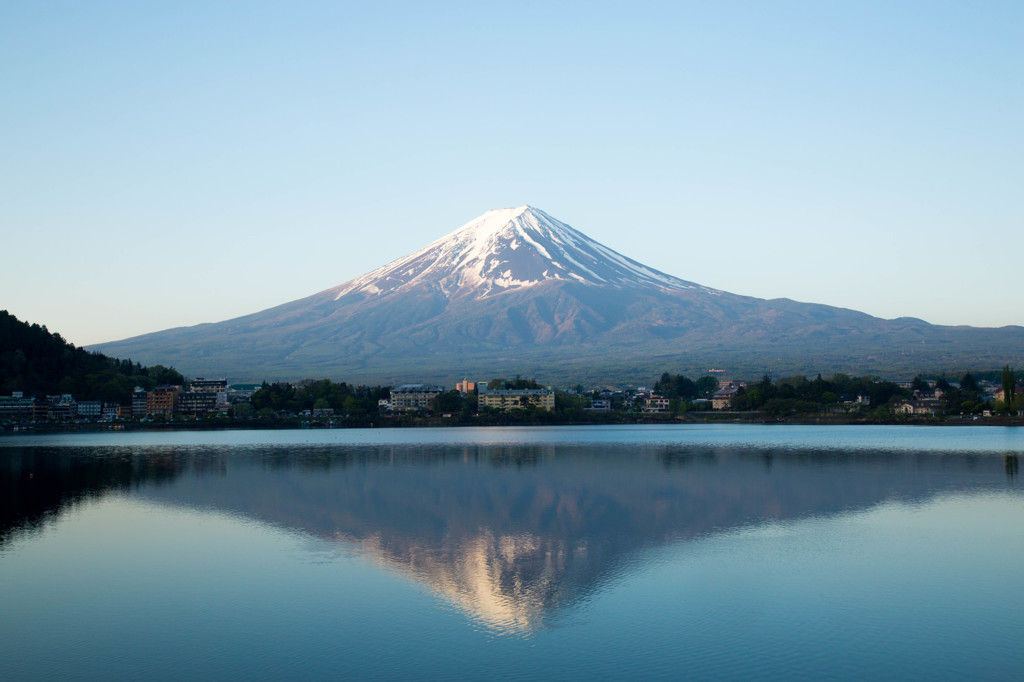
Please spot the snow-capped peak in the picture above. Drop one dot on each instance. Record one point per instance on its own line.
(509, 248)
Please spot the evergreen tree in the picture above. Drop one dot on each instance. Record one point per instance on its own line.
(37, 362)
(1009, 385)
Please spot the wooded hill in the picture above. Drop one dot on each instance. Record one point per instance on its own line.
(38, 363)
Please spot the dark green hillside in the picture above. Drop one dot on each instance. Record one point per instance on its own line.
(39, 363)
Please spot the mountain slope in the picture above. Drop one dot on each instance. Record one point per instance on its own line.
(517, 291)
(508, 249)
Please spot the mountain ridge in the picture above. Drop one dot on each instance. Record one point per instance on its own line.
(518, 291)
(477, 249)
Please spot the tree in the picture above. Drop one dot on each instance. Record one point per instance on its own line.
(353, 406)
(679, 386)
(242, 411)
(1009, 385)
(518, 383)
(705, 386)
(450, 402)
(39, 363)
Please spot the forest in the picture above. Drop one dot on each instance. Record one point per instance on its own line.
(38, 363)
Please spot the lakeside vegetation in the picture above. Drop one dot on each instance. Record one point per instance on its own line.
(39, 363)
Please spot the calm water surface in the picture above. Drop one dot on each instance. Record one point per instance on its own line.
(547, 553)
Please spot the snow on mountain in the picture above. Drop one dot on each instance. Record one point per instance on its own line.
(516, 290)
(505, 249)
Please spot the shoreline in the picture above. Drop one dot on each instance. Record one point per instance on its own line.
(440, 422)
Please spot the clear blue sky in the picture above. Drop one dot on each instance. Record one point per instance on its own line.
(176, 163)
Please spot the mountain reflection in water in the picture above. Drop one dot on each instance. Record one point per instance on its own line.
(514, 536)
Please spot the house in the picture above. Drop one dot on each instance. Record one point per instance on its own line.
(852, 404)
(722, 398)
(903, 407)
(925, 407)
(928, 407)
(1000, 395)
(656, 404)
(930, 394)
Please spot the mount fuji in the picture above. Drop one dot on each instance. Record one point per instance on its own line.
(516, 291)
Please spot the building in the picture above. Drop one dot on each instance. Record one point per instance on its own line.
(599, 405)
(138, 402)
(195, 403)
(1000, 395)
(162, 400)
(202, 385)
(89, 409)
(929, 406)
(926, 407)
(241, 393)
(218, 387)
(412, 397)
(515, 398)
(656, 404)
(60, 407)
(860, 402)
(903, 407)
(722, 398)
(465, 386)
(17, 407)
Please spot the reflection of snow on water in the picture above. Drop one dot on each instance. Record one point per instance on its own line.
(392, 554)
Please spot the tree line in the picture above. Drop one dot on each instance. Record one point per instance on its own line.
(343, 398)
(38, 363)
(798, 395)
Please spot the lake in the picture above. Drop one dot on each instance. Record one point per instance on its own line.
(652, 552)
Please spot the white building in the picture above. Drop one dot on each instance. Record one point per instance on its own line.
(413, 397)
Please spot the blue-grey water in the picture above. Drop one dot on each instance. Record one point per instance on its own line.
(724, 552)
